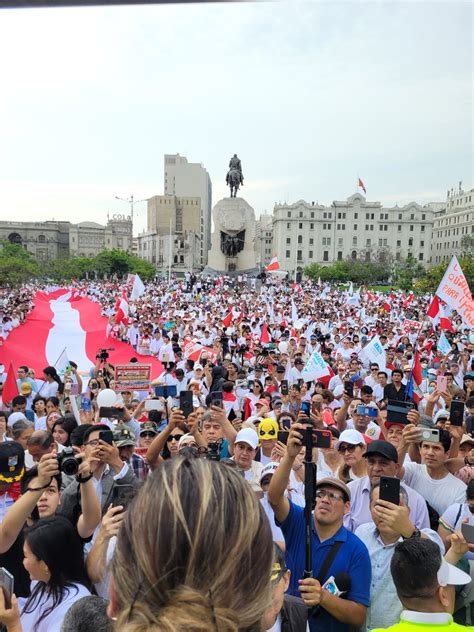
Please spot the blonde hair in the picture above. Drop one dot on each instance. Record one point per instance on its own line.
(194, 553)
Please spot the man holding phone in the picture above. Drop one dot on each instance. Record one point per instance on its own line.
(349, 555)
(391, 523)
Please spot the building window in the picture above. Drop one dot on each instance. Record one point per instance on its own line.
(355, 226)
(354, 255)
(287, 254)
(300, 225)
(399, 216)
(288, 240)
(301, 213)
(411, 228)
(289, 214)
(326, 255)
(325, 215)
(412, 216)
(41, 239)
(367, 256)
(340, 241)
(310, 254)
(356, 215)
(368, 242)
(339, 255)
(399, 228)
(420, 257)
(329, 215)
(311, 226)
(410, 241)
(366, 227)
(399, 243)
(422, 244)
(300, 239)
(423, 217)
(423, 229)
(311, 241)
(288, 224)
(312, 214)
(354, 241)
(299, 255)
(397, 256)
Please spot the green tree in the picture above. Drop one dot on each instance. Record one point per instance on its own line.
(405, 273)
(16, 264)
(467, 245)
(349, 270)
(433, 276)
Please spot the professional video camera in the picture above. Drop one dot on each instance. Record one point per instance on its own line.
(103, 354)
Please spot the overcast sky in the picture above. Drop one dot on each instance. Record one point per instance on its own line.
(309, 94)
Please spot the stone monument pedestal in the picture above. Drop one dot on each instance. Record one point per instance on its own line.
(233, 240)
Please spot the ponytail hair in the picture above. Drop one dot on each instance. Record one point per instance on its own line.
(51, 372)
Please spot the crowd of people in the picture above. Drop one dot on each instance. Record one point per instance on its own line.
(238, 491)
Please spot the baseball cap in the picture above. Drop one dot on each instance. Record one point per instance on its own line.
(269, 469)
(330, 481)
(449, 575)
(198, 367)
(25, 388)
(123, 437)
(351, 436)
(280, 368)
(148, 426)
(299, 361)
(268, 429)
(384, 448)
(261, 402)
(14, 417)
(466, 439)
(249, 436)
(441, 414)
(12, 462)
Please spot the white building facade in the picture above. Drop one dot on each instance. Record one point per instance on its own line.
(453, 227)
(191, 179)
(305, 233)
(264, 240)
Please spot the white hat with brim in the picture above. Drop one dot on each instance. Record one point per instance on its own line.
(249, 436)
(449, 575)
(268, 470)
(350, 436)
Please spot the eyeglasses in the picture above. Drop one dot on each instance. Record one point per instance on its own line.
(176, 437)
(329, 495)
(147, 434)
(346, 448)
(92, 442)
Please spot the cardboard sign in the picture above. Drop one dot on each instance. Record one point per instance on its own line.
(132, 377)
(454, 290)
(408, 325)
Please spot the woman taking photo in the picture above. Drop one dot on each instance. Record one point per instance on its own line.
(54, 559)
(167, 588)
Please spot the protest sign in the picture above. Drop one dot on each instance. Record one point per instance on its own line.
(373, 352)
(408, 325)
(443, 345)
(454, 291)
(133, 376)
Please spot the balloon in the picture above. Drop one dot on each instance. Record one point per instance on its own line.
(283, 347)
(107, 397)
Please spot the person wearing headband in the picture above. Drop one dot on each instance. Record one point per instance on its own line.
(425, 583)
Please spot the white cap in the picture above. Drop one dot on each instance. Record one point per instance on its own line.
(338, 391)
(247, 435)
(270, 468)
(449, 575)
(198, 366)
(351, 436)
(441, 414)
(14, 417)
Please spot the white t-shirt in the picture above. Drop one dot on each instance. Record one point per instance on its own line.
(440, 493)
(453, 518)
(54, 620)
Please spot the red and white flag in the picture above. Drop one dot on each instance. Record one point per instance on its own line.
(264, 337)
(438, 317)
(10, 387)
(273, 265)
(57, 326)
(121, 309)
(361, 185)
(227, 320)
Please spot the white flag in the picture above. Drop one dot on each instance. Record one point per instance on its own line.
(454, 291)
(62, 363)
(443, 345)
(315, 368)
(137, 289)
(294, 312)
(373, 352)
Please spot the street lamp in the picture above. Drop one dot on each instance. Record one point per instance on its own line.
(132, 202)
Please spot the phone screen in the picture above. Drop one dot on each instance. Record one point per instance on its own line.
(7, 582)
(107, 436)
(186, 402)
(217, 398)
(390, 489)
(305, 408)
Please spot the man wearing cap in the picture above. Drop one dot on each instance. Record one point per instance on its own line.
(295, 373)
(125, 441)
(245, 449)
(329, 537)
(148, 432)
(425, 584)
(382, 460)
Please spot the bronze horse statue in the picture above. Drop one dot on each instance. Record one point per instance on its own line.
(234, 180)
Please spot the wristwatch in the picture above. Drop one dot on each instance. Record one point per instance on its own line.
(416, 534)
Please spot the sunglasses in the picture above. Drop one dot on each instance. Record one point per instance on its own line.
(346, 448)
(176, 437)
(147, 434)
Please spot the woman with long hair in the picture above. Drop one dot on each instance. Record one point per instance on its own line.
(204, 565)
(54, 559)
(62, 429)
(52, 383)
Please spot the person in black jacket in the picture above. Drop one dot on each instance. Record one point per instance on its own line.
(287, 613)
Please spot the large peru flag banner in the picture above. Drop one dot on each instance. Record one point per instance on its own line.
(60, 322)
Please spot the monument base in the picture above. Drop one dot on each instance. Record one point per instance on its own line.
(252, 272)
(233, 217)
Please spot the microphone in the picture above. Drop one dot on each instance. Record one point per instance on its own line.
(338, 586)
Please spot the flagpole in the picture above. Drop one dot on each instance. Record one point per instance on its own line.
(54, 365)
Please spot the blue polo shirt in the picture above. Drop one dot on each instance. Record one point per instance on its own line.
(352, 558)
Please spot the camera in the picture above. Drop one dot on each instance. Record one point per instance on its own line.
(103, 355)
(213, 453)
(68, 462)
